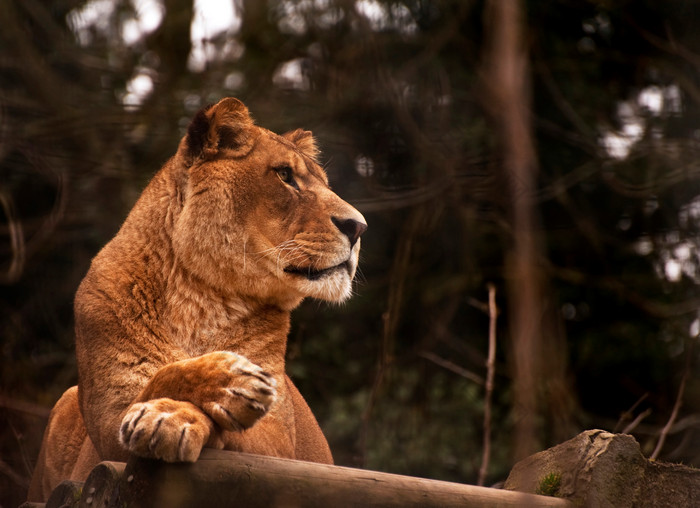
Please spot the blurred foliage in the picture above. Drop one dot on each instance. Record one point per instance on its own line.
(94, 96)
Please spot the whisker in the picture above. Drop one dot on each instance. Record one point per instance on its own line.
(360, 278)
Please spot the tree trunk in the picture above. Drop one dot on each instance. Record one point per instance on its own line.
(507, 81)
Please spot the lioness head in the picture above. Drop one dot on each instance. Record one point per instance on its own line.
(256, 214)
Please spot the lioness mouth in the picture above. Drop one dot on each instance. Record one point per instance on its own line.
(313, 274)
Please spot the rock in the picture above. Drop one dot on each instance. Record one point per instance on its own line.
(600, 469)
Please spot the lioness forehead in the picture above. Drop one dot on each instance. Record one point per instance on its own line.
(312, 166)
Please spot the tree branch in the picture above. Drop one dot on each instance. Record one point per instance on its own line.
(490, 371)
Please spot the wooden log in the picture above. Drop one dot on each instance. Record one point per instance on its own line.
(32, 504)
(222, 479)
(66, 495)
(101, 484)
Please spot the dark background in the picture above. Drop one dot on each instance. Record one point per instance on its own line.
(404, 100)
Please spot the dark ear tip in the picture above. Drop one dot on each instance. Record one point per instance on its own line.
(221, 125)
(197, 132)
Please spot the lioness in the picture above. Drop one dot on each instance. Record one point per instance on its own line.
(182, 319)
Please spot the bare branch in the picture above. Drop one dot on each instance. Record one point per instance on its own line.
(14, 476)
(460, 371)
(490, 371)
(676, 407)
(627, 415)
(16, 241)
(633, 424)
(24, 407)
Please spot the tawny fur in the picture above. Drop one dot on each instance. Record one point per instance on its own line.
(182, 319)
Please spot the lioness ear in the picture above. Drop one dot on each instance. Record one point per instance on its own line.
(225, 125)
(305, 141)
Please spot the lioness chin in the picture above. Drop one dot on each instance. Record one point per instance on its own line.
(182, 319)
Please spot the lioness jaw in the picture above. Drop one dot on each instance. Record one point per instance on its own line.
(182, 319)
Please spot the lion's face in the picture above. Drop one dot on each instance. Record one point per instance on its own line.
(257, 213)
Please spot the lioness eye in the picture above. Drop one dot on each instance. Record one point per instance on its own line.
(285, 174)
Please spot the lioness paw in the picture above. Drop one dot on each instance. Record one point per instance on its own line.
(244, 394)
(165, 429)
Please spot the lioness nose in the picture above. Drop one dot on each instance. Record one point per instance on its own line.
(350, 228)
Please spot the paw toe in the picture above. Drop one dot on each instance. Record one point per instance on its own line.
(165, 429)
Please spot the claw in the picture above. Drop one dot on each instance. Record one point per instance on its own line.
(234, 420)
(155, 437)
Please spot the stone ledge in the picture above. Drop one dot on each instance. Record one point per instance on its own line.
(600, 469)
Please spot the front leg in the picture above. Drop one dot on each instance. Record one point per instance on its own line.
(172, 418)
